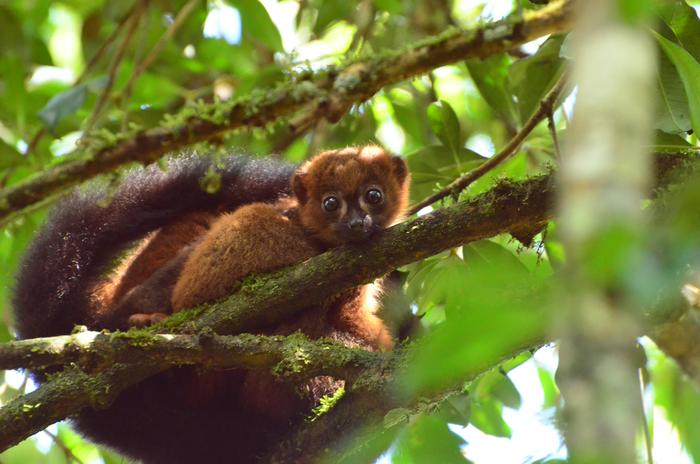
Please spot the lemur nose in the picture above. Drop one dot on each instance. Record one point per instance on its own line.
(356, 223)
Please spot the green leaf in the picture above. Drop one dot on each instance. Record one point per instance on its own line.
(532, 77)
(435, 166)
(490, 75)
(496, 386)
(689, 70)
(492, 311)
(331, 11)
(512, 363)
(256, 22)
(504, 391)
(487, 417)
(398, 416)
(549, 387)
(390, 6)
(428, 440)
(410, 120)
(456, 409)
(154, 90)
(445, 125)
(635, 11)
(9, 156)
(669, 142)
(673, 112)
(27, 452)
(489, 253)
(682, 20)
(678, 398)
(62, 105)
(443, 282)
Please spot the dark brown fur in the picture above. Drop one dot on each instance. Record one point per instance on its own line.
(231, 416)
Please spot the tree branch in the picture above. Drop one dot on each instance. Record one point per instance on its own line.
(292, 356)
(330, 92)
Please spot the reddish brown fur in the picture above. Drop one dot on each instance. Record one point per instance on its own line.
(260, 237)
(163, 246)
(344, 172)
(201, 258)
(152, 254)
(255, 238)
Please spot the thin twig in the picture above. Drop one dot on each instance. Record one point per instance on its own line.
(553, 131)
(158, 47)
(114, 66)
(70, 456)
(545, 107)
(645, 422)
(88, 67)
(365, 28)
(139, 51)
(108, 41)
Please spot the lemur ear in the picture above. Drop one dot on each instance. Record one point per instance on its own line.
(400, 168)
(298, 186)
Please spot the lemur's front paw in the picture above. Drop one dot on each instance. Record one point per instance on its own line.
(144, 320)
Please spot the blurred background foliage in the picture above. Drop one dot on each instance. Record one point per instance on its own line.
(76, 71)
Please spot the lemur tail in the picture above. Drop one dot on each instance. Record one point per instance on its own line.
(82, 236)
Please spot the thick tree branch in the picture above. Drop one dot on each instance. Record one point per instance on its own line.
(63, 396)
(508, 207)
(294, 356)
(330, 93)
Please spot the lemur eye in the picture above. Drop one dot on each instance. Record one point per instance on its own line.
(330, 204)
(374, 196)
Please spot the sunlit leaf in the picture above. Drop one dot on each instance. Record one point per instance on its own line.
(549, 387)
(427, 440)
(329, 12)
(436, 165)
(390, 6)
(531, 78)
(9, 156)
(679, 399)
(445, 125)
(27, 452)
(257, 23)
(504, 391)
(635, 11)
(486, 416)
(456, 409)
(490, 76)
(491, 310)
(683, 20)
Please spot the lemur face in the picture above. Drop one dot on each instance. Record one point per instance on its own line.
(347, 195)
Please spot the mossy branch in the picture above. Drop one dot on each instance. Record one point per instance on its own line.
(328, 94)
(292, 356)
(509, 207)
